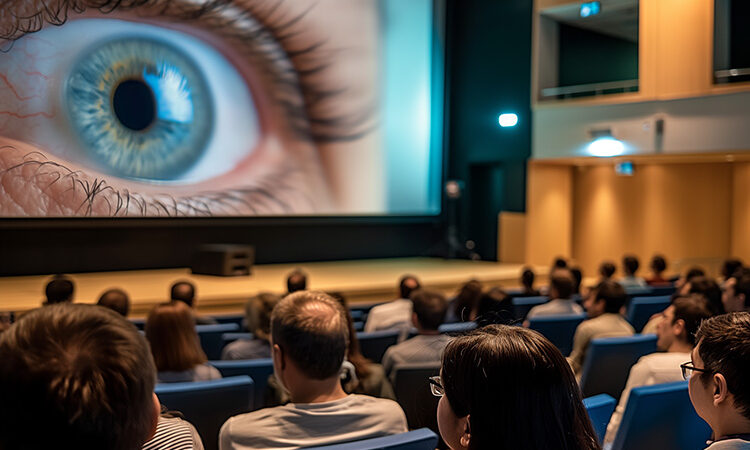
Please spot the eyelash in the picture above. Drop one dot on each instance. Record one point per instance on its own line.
(308, 119)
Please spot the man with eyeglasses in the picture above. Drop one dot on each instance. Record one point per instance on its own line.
(718, 375)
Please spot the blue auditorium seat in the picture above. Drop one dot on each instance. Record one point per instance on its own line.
(208, 404)
(558, 329)
(522, 305)
(642, 308)
(412, 388)
(257, 369)
(374, 344)
(662, 290)
(635, 291)
(600, 408)
(422, 439)
(457, 327)
(661, 417)
(210, 337)
(608, 362)
(139, 323)
(239, 319)
(228, 338)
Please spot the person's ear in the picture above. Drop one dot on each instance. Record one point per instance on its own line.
(721, 390)
(278, 357)
(678, 328)
(465, 438)
(156, 412)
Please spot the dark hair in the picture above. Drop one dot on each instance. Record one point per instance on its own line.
(75, 375)
(630, 264)
(658, 264)
(527, 278)
(691, 309)
(59, 290)
(312, 329)
(495, 307)
(577, 275)
(296, 281)
(518, 390)
(116, 300)
(694, 272)
(362, 365)
(613, 294)
(430, 308)
(467, 300)
(407, 284)
(183, 291)
(742, 285)
(607, 269)
(559, 263)
(562, 284)
(258, 314)
(724, 347)
(711, 290)
(170, 329)
(730, 267)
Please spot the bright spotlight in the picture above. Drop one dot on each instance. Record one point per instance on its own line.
(508, 120)
(605, 147)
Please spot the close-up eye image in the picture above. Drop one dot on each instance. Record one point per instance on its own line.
(172, 108)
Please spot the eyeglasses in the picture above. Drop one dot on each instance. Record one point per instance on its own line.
(688, 368)
(436, 386)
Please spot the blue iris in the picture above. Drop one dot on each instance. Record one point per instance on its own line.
(141, 109)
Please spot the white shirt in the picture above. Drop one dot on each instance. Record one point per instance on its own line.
(655, 368)
(426, 348)
(730, 444)
(395, 314)
(556, 307)
(352, 418)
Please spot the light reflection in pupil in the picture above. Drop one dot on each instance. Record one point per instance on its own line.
(134, 104)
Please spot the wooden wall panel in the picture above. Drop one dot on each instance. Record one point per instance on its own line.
(549, 212)
(511, 238)
(740, 244)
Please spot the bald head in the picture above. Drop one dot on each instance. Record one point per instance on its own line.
(183, 291)
(311, 328)
(407, 284)
(116, 300)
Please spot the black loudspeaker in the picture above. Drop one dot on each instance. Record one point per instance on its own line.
(224, 260)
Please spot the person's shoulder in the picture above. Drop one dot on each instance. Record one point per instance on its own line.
(730, 444)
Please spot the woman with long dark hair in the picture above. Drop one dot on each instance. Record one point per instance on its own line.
(506, 387)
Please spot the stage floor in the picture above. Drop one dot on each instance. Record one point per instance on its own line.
(361, 281)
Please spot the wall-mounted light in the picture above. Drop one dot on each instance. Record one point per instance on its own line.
(508, 120)
(590, 9)
(604, 144)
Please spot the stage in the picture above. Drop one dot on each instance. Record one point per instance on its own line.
(361, 281)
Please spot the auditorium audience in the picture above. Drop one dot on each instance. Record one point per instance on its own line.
(718, 374)
(709, 288)
(691, 273)
(527, 283)
(658, 267)
(170, 329)
(174, 433)
(505, 387)
(630, 266)
(6, 320)
(559, 263)
(184, 291)
(560, 291)
(607, 270)
(603, 308)
(258, 317)
(577, 275)
(76, 376)
(59, 290)
(461, 308)
(676, 339)
(729, 268)
(296, 281)
(309, 336)
(428, 345)
(736, 295)
(396, 314)
(495, 307)
(116, 300)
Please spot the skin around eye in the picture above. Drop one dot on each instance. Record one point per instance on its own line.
(284, 174)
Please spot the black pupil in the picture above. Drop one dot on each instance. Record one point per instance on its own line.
(134, 104)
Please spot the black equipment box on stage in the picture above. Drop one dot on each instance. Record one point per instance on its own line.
(224, 260)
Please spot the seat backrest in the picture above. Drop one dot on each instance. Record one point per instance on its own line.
(457, 327)
(608, 362)
(558, 329)
(522, 305)
(228, 338)
(422, 439)
(239, 319)
(208, 404)
(662, 290)
(642, 308)
(374, 344)
(600, 408)
(661, 416)
(210, 337)
(257, 369)
(413, 393)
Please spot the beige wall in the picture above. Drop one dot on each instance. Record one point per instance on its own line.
(549, 212)
(511, 239)
(740, 243)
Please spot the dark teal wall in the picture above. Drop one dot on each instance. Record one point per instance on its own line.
(489, 72)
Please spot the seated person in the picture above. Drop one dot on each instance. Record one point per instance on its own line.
(177, 352)
(607, 270)
(296, 281)
(116, 300)
(707, 287)
(184, 291)
(174, 433)
(577, 274)
(396, 314)
(495, 307)
(658, 267)
(77, 376)
(560, 291)
(258, 316)
(736, 296)
(718, 375)
(506, 387)
(464, 305)
(309, 335)
(428, 345)
(59, 290)
(689, 275)
(527, 282)
(6, 320)
(603, 308)
(630, 266)
(729, 268)
(676, 339)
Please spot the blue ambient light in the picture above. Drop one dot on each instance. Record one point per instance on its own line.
(508, 120)
(590, 9)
